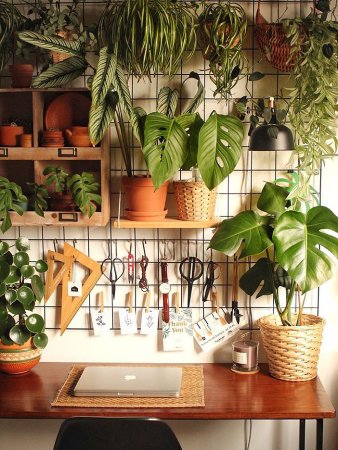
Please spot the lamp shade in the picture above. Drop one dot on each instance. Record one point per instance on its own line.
(261, 140)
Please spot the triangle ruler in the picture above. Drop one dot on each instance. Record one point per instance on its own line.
(52, 281)
(70, 305)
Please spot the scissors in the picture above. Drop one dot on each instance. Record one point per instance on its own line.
(191, 269)
(210, 279)
(115, 272)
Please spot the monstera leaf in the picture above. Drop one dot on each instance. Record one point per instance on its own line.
(260, 274)
(219, 148)
(297, 238)
(247, 228)
(272, 199)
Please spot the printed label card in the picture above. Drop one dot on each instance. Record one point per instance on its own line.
(149, 321)
(100, 322)
(127, 321)
(213, 330)
(177, 333)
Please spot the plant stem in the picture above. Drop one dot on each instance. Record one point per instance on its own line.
(286, 314)
(275, 294)
(123, 140)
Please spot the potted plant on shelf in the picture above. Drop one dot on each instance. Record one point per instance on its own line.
(11, 199)
(293, 261)
(149, 37)
(71, 191)
(22, 335)
(221, 31)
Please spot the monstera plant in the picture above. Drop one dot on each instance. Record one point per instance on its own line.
(299, 248)
(21, 288)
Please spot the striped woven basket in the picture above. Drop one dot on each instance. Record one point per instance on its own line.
(273, 43)
(293, 351)
(194, 201)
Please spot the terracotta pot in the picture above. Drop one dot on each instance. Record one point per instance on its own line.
(140, 196)
(21, 75)
(61, 202)
(16, 359)
(26, 140)
(10, 135)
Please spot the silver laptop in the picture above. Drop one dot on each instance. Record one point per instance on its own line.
(129, 381)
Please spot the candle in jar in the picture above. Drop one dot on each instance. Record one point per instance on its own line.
(245, 356)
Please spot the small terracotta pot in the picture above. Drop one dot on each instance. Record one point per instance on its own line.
(61, 202)
(16, 359)
(10, 135)
(140, 196)
(21, 75)
(26, 140)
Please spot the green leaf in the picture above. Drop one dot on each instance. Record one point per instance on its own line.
(167, 101)
(11, 296)
(41, 266)
(13, 276)
(6, 324)
(2, 288)
(272, 199)
(260, 272)
(4, 270)
(247, 228)
(84, 189)
(101, 116)
(40, 340)
(4, 247)
(193, 134)
(16, 308)
(35, 323)
(61, 73)
(22, 244)
(27, 271)
(165, 147)
(255, 76)
(52, 43)
(19, 334)
(103, 77)
(198, 98)
(219, 148)
(25, 295)
(21, 259)
(297, 237)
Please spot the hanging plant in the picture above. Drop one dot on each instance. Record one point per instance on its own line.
(314, 98)
(221, 31)
(11, 21)
(149, 36)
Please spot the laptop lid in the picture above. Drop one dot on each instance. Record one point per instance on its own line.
(129, 381)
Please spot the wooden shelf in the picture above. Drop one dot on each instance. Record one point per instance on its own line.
(59, 219)
(170, 222)
(50, 153)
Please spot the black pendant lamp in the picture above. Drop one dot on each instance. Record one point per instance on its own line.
(261, 139)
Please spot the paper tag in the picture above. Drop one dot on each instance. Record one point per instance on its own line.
(240, 357)
(177, 333)
(213, 330)
(127, 321)
(100, 321)
(74, 288)
(149, 321)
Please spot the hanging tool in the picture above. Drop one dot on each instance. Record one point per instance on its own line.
(116, 269)
(234, 303)
(191, 269)
(165, 286)
(131, 266)
(210, 279)
(143, 283)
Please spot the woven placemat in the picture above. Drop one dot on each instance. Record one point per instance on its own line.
(191, 394)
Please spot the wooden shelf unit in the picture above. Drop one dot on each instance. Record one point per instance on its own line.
(20, 164)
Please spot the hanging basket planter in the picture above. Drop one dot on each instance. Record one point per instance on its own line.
(292, 351)
(194, 201)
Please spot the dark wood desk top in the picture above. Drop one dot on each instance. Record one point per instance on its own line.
(227, 396)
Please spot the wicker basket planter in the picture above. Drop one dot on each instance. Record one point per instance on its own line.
(57, 56)
(194, 201)
(292, 352)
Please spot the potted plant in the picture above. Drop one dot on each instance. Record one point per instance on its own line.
(10, 133)
(149, 37)
(293, 261)
(37, 198)
(11, 199)
(22, 335)
(221, 30)
(314, 97)
(71, 191)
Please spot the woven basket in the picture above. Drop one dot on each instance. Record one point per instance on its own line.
(194, 201)
(56, 56)
(293, 351)
(273, 43)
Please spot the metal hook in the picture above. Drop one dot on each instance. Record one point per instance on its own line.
(174, 250)
(74, 243)
(144, 242)
(115, 242)
(165, 257)
(130, 246)
(55, 242)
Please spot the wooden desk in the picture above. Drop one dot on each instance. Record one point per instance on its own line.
(227, 396)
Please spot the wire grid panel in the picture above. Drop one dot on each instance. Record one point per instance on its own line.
(239, 191)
